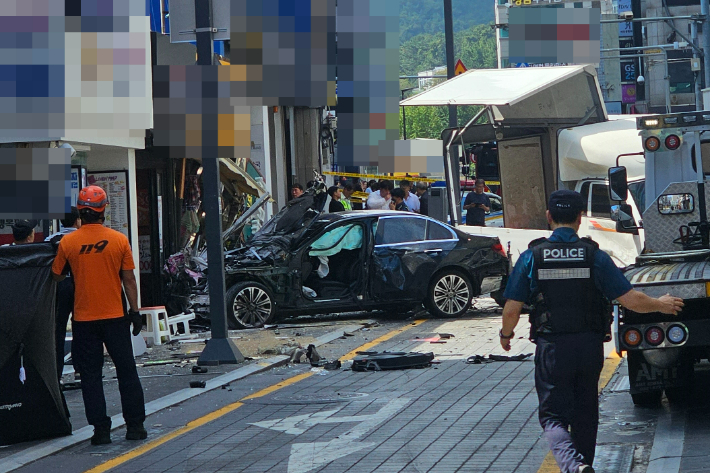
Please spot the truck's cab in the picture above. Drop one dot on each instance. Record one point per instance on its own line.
(662, 349)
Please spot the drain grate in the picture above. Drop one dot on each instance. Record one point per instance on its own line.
(614, 458)
(309, 398)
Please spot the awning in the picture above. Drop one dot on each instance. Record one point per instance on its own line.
(245, 183)
(581, 156)
(523, 94)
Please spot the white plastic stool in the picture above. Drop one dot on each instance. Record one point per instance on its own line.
(153, 316)
(183, 319)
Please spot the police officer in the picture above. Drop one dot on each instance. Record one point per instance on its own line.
(568, 281)
(100, 261)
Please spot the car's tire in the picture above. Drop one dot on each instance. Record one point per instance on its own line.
(648, 399)
(450, 294)
(249, 305)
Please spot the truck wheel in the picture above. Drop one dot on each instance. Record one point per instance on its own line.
(249, 305)
(649, 399)
(450, 294)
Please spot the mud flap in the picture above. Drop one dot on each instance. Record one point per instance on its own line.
(645, 377)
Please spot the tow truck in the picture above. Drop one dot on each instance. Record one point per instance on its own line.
(663, 350)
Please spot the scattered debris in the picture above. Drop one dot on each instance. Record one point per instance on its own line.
(199, 369)
(478, 359)
(319, 371)
(312, 355)
(298, 356)
(332, 365)
(159, 362)
(197, 384)
(375, 361)
(446, 336)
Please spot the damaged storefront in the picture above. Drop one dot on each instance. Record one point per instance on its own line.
(183, 271)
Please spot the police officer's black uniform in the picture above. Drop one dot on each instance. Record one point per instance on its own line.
(568, 281)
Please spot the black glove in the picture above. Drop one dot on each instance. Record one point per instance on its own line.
(136, 319)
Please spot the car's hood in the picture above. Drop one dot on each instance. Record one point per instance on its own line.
(271, 245)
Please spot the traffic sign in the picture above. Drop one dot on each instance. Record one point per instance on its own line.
(459, 68)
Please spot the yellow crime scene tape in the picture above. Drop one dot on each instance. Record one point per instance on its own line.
(381, 176)
(396, 177)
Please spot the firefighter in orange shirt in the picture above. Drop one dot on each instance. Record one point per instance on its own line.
(100, 261)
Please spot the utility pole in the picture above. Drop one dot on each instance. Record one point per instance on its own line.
(449, 36)
(453, 156)
(220, 349)
(705, 11)
(696, 74)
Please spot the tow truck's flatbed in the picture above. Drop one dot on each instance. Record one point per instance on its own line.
(685, 279)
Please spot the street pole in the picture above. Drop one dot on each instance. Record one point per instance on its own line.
(696, 74)
(668, 81)
(453, 155)
(705, 11)
(449, 36)
(220, 349)
(404, 120)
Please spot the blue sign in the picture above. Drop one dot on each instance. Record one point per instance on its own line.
(522, 64)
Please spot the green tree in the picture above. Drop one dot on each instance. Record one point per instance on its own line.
(475, 46)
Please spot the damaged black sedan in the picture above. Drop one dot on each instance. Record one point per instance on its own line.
(307, 262)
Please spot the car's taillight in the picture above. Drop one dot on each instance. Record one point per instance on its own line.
(498, 248)
(632, 337)
(654, 336)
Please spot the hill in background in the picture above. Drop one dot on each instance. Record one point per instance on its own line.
(427, 16)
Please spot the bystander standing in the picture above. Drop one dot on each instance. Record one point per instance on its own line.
(423, 194)
(100, 261)
(65, 291)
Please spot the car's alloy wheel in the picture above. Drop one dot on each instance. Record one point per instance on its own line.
(450, 295)
(250, 305)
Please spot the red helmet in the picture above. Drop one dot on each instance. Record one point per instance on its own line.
(92, 197)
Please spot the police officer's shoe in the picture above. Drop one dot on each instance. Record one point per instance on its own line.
(585, 469)
(136, 432)
(102, 436)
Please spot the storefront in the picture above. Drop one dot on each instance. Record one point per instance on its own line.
(170, 213)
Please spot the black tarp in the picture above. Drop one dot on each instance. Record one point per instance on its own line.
(34, 409)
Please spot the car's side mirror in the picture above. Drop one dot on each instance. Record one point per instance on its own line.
(623, 216)
(618, 187)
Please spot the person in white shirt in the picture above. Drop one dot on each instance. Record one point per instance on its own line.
(380, 200)
(410, 199)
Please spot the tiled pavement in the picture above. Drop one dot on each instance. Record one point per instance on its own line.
(452, 417)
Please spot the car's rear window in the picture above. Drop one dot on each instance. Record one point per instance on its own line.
(436, 231)
(400, 230)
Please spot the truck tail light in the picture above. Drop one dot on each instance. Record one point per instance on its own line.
(654, 336)
(676, 334)
(498, 248)
(632, 337)
(672, 142)
(652, 143)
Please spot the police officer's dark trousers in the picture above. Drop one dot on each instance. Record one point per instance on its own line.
(88, 354)
(567, 369)
(65, 305)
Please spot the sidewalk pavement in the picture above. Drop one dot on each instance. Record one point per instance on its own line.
(451, 417)
(167, 384)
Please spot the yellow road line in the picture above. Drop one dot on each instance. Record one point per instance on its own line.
(381, 339)
(192, 425)
(549, 465)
